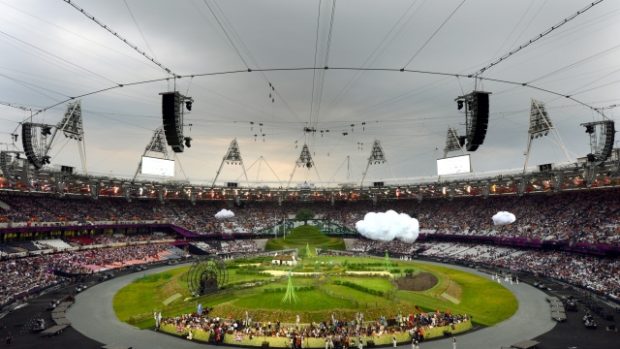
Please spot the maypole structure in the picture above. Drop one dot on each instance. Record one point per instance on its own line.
(309, 251)
(386, 261)
(289, 296)
(377, 157)
(232, 157)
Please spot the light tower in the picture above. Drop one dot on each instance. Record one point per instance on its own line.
(232, 157)
(541, 126)
(377, 157)
(454, 142)
(156, 147)
(305, 161)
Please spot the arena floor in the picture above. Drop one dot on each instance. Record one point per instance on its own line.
(93, 316)
(95, 324)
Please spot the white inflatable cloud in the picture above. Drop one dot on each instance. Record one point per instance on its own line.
(224, 213)
(503, 218)
(389, 225)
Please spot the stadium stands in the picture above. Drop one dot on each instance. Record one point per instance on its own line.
(573, 217)
(553, 226)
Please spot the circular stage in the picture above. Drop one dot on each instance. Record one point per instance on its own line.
(93, 315)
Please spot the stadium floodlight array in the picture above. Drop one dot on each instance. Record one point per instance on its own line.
(377, 157)
(602, 135)
(232, 157)
(541, 126)
(476, 106)
(454, 142)
(156, 150)
(304, 160)
(71, 124)
(540, 123)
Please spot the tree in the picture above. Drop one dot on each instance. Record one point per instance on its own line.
(304, 215)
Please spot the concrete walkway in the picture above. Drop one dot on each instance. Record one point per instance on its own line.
(93, 315)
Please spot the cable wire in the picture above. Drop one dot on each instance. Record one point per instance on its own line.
(230, 40)
(316, 51)
(434, 33)
(416, 71)
(133, 18)
(120, 37)
(376, 53)
(536, 38)
(55, 56)
(222, 23)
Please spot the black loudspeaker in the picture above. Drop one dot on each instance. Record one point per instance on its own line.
(173, 120)
(378, 184)
(232, 184)
(66, 169)
(478, 120)
(610, 135)
(544, 167)
(27, 145)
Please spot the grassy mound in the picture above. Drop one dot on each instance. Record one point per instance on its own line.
(305, 235)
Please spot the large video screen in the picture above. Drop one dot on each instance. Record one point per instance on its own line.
(157, 167)
(453, 165)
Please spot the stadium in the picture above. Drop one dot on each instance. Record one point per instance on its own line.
(313, 174)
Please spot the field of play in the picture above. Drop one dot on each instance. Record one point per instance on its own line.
(323, 285)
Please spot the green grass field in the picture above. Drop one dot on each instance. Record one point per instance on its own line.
(487, 302)
(300, 236)
(329, 286)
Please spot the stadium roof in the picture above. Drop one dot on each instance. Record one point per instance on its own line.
(52, 52)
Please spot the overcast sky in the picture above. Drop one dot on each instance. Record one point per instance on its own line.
(50, 51)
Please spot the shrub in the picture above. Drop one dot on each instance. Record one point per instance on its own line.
(359, 288)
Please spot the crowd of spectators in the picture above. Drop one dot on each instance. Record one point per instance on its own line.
(574, 217)
(22, 276)
(379, 247)
(226, 247)
(113, 239)
(339, 333)
(95, 260)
